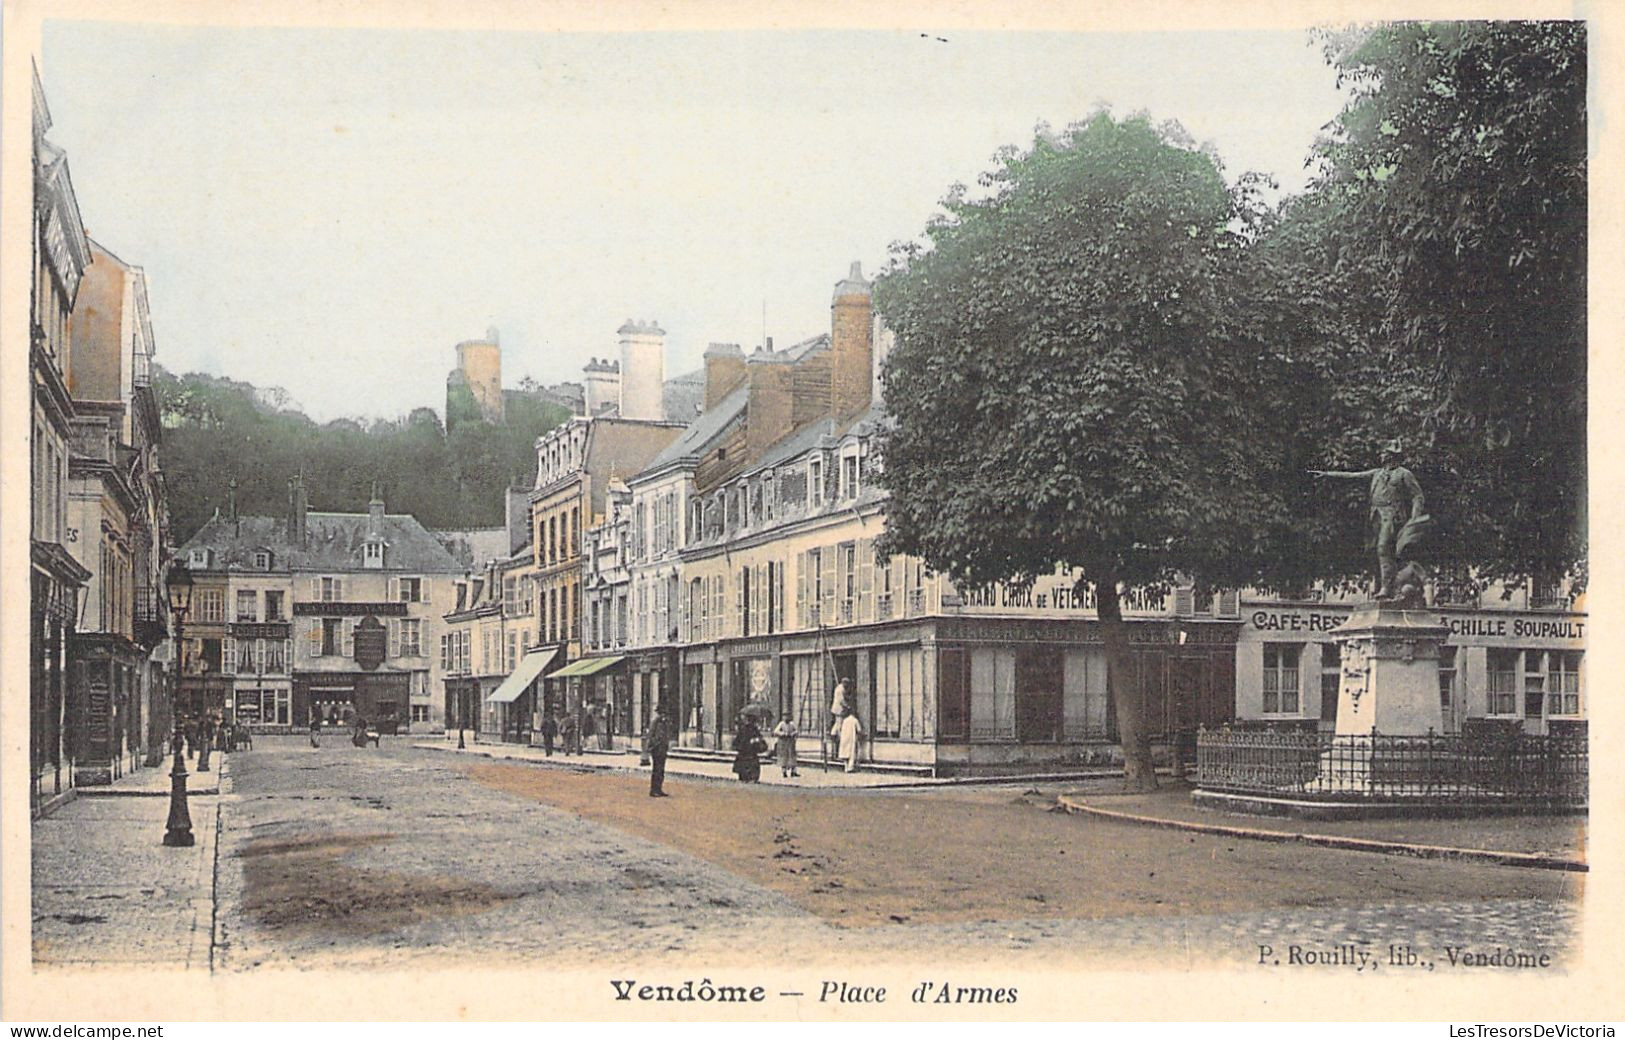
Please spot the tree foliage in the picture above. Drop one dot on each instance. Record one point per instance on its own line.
(1076, 379)
(1450, 213)
(1079, 380)
(217, 430)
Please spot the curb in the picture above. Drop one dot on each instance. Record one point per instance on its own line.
(1390, 848)
(950, 781)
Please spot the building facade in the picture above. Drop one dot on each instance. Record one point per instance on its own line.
(330, 614)
(61, 255)
(118, 513)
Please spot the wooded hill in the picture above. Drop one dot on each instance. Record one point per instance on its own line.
(217, 429)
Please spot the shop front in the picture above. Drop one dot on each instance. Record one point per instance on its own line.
(514, 701)
(108, 726)
(596, 692)
(1519, 670)
(652, 681)
(338, 697)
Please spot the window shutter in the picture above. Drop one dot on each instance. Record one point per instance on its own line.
(424, 585)
(313, 633)
(228, 655)
(394, 637)
(315, 589)
(801, 591)
(394, 590)
(866, 580)
(826, 609)
(1229, 603)
(338, 588)
(1184, 601)
(349, 637)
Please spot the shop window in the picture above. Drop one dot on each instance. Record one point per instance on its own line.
(1447, 680)
(993, 694)
(1563, 682)
(1501, 693)
(1281, 679)
(1331, 680)
(1534, 684)
(420, 713)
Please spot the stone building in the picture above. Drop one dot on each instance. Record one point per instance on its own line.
(118, 511)
(361, 597)
(61, 255)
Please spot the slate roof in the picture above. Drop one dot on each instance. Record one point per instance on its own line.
(700, 434)
(683, 397)
(333, 543)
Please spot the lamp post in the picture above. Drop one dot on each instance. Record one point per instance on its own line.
(178, 832)
(462, 717)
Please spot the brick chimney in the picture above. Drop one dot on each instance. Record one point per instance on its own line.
(852, 354)
(724, 371)
(298, 506)
(770, 409)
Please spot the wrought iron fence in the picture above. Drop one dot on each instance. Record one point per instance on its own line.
(1486, 768)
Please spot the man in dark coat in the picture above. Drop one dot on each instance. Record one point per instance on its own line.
(656, 742)
(550, 729)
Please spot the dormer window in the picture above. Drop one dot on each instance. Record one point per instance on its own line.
(262, 560)
(198, 558)
(372, 555)
(815, 483)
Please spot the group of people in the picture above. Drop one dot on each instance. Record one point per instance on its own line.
(562, 727)
(360, 729)
(749, 744)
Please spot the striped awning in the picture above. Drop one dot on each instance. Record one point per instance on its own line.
(530, 666)
(586, 666)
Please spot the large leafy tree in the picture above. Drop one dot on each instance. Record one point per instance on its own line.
(1449, 210)
(1081, 379)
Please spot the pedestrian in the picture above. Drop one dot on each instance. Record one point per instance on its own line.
(656, 742)
(786, 733)
(571, 733)
(748, 748)
(315, 727)
(589, 726)
(550, 729)
(847, 731)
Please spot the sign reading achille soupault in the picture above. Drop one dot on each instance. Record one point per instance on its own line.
(1478, 628)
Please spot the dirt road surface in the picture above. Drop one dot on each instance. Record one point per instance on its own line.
(374, 858)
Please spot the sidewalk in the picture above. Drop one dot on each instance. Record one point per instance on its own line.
(1553, 842)
(107, 891)
(813, 775)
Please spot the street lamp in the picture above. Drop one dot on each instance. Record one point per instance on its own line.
(178, 833)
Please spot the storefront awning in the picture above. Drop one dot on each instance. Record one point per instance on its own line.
(586, 666)
(530, 666)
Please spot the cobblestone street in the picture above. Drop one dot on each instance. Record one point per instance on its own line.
(371, 858)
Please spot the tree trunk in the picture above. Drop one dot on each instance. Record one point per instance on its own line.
(1138, 775)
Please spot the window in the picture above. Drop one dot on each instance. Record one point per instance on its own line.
(411, 590)
(277, 652)
(198, 558)
(228, 656)
(849, 476)
(510, 602)
(445, 652)
(411, 637)
(247, 605)
(1447, 680)
(329, 590)
(1534, 684)
(211, 605)
(372, 555)
(815, 483)
(993, 694)
(332, 637)
(513, 650)
(898, 692)
(1563, 682)
(1331, 680)
(262, 560)
(1280, 679)
(1501, 694)
(273, 605)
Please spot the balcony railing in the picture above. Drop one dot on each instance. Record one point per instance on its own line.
(1470, 769)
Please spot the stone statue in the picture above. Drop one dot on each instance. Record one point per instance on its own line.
(1398, 521)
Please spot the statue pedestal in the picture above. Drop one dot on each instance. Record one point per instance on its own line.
(1389, 687)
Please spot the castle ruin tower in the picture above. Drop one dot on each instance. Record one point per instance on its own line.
(643, 370)
(479, 372)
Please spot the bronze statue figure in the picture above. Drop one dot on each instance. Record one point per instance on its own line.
(1398, 522)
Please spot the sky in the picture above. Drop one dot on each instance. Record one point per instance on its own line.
(332, 210)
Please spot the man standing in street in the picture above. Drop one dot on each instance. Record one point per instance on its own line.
(656, 742)
(550, 729)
